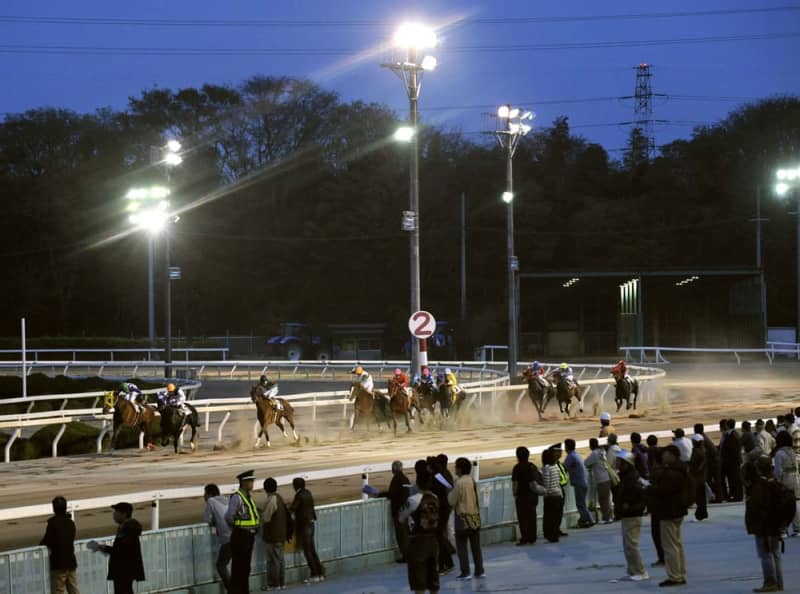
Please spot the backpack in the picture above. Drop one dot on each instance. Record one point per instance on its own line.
(783, 506)
(426, 516)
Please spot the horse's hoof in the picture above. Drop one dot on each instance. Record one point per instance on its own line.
(269, 445)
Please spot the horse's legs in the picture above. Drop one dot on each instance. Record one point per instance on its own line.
(114, 433)
(353, 418)
(408, 425)
(291, 424)
(279, 423)
(266, 434)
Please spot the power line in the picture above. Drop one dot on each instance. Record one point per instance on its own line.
(278, 23)
(307, 51)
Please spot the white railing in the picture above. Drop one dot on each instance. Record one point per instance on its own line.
(147, 352)
(640, 353)
(784, 348)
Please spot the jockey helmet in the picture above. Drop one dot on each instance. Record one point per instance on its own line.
(447, 371)
(123, 387)
(621, 363)
(358, 370)
(263, 379)
(564, 366)
(605, 417)
(398, 371)
(170, 387)
(535, 365)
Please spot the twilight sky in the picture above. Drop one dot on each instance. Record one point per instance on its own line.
(478, 66)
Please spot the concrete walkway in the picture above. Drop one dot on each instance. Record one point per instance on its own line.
(720, 556)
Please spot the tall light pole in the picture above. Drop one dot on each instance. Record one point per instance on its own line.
(510, 128)
(168, 156)
(411, 40)
(788, 183)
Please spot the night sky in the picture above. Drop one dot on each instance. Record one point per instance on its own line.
(477, 67)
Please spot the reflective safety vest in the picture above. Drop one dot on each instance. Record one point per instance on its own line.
(563, 477)
(252, 519)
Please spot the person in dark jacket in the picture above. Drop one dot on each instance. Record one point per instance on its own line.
(730, 454)
(60, 539)
(399, 490)
(669, 497)
(630, 505)
(304, 519)
(275, 534)
(767, 533)
(653, 462)
(697, 468)
(639, 452)
(713, 477)
(125, 563)
(525, 498)
(441, 487)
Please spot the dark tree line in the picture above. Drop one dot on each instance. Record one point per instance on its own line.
(290, 205)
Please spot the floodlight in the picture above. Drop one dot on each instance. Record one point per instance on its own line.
(782, 188)
(173, 159)
(429, 63)
(158, 192)
(404, 134)
(513, 113)
(173, 146)
(502, 111)
(528, 115)
(415, 36)
(508, 197)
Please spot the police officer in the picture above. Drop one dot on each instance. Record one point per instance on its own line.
(242, 515)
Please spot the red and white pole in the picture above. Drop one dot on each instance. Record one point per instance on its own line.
(423, 353)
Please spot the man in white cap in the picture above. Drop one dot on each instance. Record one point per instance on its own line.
(606, 428)
(630, 505)
(242, 515)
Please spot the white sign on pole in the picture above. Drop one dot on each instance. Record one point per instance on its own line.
(422, 324)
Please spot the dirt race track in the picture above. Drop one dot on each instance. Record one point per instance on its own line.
(688, 394)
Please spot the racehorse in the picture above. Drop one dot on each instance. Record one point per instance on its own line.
(565, 392)
(269, 413)
(427, 395)
(368, 405)
(173, 422)
(126, 415)
(539, 392)
(401, 404)
(624, 388)
(450, 398)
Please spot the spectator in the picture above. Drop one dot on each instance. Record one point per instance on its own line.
(421, 511)
(769, 427)
(669, 495)
(59, 538)
(613, 448)
(125, 563)
(399, 490)
(275, 532)
(763, 438)
(563, 478)
(595, 463)
(464, 500)
(786, 471)
(451, 531)
(524, 479)
(441, 487)
(683, 443)
(697, 469)
(794, 431)
(639, 452)
(712, 463)
(759, 523)
(630, 506)
(242, 516)
(730, 453)
(216, 506)
(654, 459)
(553, 499)
(606, 428)
(577, 478)
(747, 436)
(304, 519)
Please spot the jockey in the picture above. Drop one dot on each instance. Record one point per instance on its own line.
(269, 390)
(132, 394)
(425, 380)
(177, 398)
(401, 379)
(451, 380)
(620, 370)
(537, 371)
(566, 373)
(364, 379)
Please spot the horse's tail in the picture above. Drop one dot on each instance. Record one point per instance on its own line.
(287, 408)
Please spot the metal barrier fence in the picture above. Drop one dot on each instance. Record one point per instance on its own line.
(640, 353)
(42, 354)
(183, 557)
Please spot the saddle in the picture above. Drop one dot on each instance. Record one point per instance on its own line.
(276, 404)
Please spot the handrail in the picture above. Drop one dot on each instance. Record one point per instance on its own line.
(659, 350)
